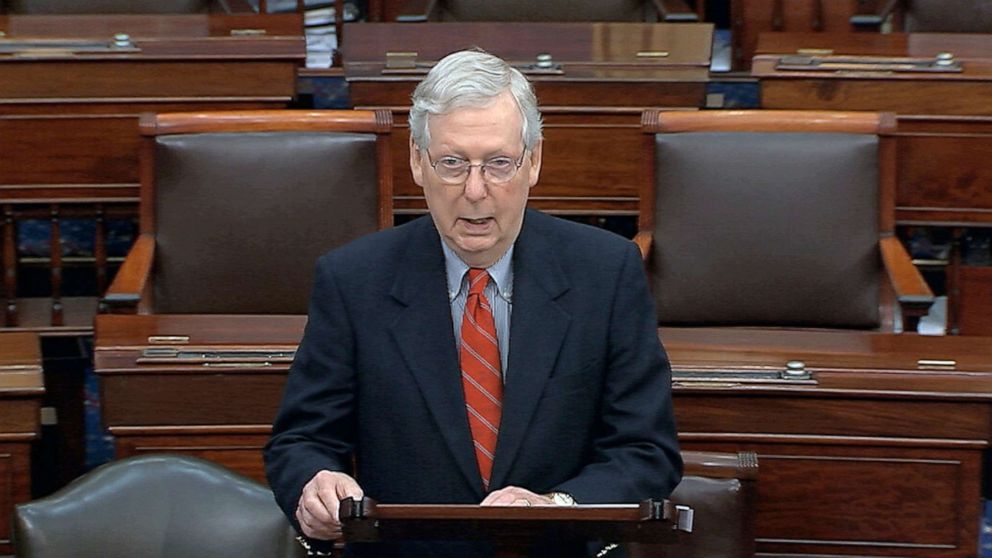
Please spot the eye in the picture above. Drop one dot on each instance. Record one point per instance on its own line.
(451, 162)
(500, 163)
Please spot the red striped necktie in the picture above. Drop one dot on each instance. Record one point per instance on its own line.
(482, 379)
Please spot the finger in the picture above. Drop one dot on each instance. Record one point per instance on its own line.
(331, 488)
(315, 529)
(510, 496)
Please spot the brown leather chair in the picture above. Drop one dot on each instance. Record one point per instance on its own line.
(721, 489)
(237, 206)
(774, 219)
(933, 16)
(122, 6)
(547, 10)
(155, 506)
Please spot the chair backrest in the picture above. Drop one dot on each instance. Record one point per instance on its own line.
(242, 204)
(721, 489)
(948, 16)
(547, 10)
(106, 6)
(767, 218)
(155, 506)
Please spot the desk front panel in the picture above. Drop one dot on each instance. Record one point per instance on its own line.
(21, 392)
(875, 455)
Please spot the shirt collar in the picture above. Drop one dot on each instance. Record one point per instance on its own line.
(501, 273)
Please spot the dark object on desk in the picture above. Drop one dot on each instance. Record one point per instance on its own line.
(548, 10)
(941, 16)
(219, 190)
(775, 219)
(156, 506)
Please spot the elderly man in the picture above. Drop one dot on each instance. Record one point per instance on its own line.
(487, 354)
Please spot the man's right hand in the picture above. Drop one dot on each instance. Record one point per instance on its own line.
(317, 510)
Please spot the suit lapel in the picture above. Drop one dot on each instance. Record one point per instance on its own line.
(424, 335)
(537, 330)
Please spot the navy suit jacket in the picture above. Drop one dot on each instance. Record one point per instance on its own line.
(587, 404)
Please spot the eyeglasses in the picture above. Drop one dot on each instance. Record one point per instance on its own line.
(455, 170)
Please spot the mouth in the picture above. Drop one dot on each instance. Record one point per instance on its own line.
(479, 221)
(479, 225)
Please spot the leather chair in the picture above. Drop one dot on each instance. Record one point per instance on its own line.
(122, 6)
(547, 10)
(775, 219)
(237, 206)
(155, 506)
(721, 489)
(933, 16)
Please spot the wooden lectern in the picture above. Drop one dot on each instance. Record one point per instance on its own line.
(513, 530)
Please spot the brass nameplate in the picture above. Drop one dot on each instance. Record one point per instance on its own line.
(401, 60)
(936, 363)
(248, 32)
(168, 339)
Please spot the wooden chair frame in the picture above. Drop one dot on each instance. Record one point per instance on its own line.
(908, 286)
(130, 289)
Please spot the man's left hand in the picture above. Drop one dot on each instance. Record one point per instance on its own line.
(516, 496)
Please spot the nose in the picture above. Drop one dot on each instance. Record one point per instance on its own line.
(475, 184)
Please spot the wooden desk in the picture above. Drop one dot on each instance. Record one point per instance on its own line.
(875, 455)
(68, 118)
(21, 390)
(943, 140)
(592, 102)
(216, 408)
(919, 93)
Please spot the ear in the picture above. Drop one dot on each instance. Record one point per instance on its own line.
(534, 172)
(416, 164)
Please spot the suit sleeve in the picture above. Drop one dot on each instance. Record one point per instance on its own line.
(635, 453)
(315, 426)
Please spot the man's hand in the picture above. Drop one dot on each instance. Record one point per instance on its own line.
(317, 511)
(516, 496)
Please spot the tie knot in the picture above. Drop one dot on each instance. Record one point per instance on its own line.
(477, 280)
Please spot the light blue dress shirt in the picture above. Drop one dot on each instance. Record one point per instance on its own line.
(499, 291)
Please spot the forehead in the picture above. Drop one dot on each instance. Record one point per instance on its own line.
(497, 120)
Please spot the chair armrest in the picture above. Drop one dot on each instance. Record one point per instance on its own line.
(125, 292)
(643, 240)
(675, 11)
(874, 19)
(417, 11)
(742, 465)
(912, 292)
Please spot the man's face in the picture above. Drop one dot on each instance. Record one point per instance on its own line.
(477, 219)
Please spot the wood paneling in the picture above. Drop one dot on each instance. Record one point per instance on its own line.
(591, 104)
